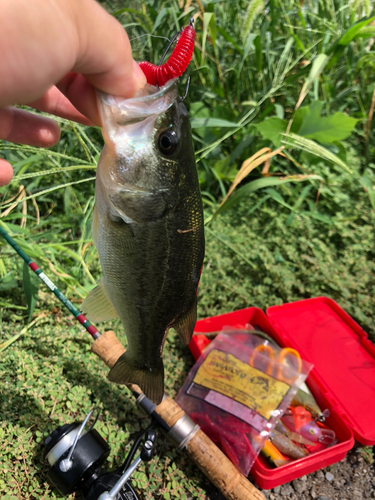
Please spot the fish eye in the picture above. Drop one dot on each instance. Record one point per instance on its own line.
(168, 142)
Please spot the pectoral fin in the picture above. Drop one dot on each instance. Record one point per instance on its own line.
(185, 324)
(97, 305)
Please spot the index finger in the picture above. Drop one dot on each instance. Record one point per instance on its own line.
(55, 103)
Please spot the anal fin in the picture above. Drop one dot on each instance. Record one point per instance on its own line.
(97, 305)
(185, 324)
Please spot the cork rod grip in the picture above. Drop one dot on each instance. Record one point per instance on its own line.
(204, 453)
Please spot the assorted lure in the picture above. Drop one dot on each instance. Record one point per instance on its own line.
(295, 436)
(301, 422)
(148, 222)
(177, 62)
(300, 430)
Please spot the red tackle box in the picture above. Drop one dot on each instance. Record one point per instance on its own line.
(342, 379)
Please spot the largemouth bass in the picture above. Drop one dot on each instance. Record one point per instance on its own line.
(148, 228)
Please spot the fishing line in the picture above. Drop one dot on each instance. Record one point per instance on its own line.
(147, 34)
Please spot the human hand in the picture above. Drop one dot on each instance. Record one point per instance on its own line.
(54, 55)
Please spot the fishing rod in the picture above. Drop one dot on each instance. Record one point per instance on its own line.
(46, 280)
(75, 455)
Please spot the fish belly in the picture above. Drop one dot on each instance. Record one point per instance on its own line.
(151, 273)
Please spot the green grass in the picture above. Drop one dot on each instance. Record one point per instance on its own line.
(50, 377)
(279, 76)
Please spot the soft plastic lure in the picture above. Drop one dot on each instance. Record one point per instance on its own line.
(273, 454)
(176, 64)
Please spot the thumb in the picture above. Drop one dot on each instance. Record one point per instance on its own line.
(104, 57)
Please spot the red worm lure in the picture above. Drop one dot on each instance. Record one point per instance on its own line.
(176, 64)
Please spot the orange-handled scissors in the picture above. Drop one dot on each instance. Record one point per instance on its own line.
(266, 348)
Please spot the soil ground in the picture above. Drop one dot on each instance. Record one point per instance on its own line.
(351, 479)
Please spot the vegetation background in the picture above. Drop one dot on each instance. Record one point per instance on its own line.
(281, 102)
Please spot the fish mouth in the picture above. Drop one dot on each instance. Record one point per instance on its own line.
(149, 101)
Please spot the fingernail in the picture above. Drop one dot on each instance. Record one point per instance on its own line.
(49, 136)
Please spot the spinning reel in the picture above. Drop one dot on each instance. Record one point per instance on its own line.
(75, 456)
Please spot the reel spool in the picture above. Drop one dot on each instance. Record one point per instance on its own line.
(75, 456)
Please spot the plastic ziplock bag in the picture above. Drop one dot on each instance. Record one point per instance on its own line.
(238, 390)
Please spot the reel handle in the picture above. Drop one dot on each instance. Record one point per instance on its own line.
(204, 453)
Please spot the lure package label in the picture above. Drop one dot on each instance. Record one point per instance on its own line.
(228, 376)
(236, 392)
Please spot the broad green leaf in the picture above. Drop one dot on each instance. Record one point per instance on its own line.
(298, 118)
(272, 128)
(30, 285)
(326, 129)
(309, 146)
(352, 32)
(337, 49)
(264, 182)
(211, 122)
(366, 32)
(338, 149)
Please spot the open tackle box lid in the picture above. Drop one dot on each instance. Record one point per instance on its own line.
(342, 379)
(342, 355)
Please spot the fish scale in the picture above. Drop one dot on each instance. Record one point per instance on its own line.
(149, 230)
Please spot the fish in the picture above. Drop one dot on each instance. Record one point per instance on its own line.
(286, 445)
(297, 438)
(148, 228)
(309, 429)
(273, 455)
(307, 401)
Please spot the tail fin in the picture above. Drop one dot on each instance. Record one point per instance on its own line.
(125, 371)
